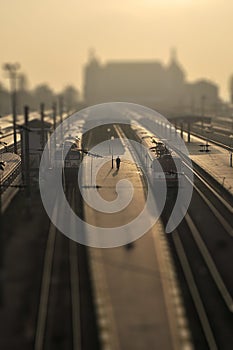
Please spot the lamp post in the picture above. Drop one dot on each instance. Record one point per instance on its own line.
(207, 132)
(63, 167)
(231, 140)
(54, 108)
(12, 72)
(203, 100)
(2, 166)
(91, 169)
(108, 130)
(61, 107)
(112, 138)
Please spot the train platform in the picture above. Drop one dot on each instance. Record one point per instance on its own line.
(213, 159)
(137, 297)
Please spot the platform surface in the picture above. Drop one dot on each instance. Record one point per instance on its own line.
(216, 162)
(135, 284)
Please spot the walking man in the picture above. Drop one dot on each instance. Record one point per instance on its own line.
(118, 161)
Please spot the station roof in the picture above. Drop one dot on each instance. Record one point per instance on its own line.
(37, 124)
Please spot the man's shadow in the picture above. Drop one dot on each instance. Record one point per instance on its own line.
(108, 173)
(115, 172)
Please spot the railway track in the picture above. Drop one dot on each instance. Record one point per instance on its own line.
(202, 248)
(207, 229)
(215, 138)
(65, 305)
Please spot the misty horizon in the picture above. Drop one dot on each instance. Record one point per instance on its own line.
(4, 83)
(51, 39)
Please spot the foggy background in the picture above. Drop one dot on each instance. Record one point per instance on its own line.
(51, 39)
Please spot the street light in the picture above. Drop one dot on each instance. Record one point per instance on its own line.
(203, 101)
(108, 130)
(63, 166)
(2, 166)
(12, 69)
(112, 138)
(231, 138)
(61, 110)
(207, 131)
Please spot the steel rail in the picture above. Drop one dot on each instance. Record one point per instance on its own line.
(194, 291)
(45, 287)
(210, 263)
(204, 138)
(75, 290)
(227, 227)
(216, 194)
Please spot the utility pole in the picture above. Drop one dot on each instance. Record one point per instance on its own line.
(231, 138)
(42, 125)
(189, 138)
(12, 72)
(54, 125)
(26, 155)
(54, 107)
(112, 138)
(60, 100)
(181, 130)
(203, 99)
(2, 166)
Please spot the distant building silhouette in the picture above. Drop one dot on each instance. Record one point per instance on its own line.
(231, 89)
(203, 94)
(148, 83)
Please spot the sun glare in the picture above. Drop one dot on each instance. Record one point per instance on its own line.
(169, 2)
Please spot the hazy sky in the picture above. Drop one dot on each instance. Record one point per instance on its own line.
(51, 38)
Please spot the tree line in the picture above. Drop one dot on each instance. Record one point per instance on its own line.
(42, 93)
